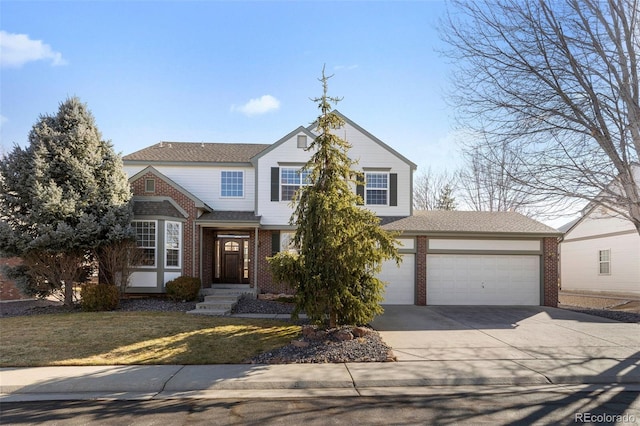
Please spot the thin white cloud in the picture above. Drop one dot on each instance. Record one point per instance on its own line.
(18, 49)
(3, 119)
(258, 106)
(345, 67)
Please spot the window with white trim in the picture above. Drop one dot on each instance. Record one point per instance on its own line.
(604, 262)
(291, 179)
(146, 237)
(172, 243)
(377, 189)
(232, 183)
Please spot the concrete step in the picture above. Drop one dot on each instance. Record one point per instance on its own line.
(220, 299)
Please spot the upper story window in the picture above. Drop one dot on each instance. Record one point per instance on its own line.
(604, 262)
(291, 179)
(377, 189)
(146, 237)
(173, 244)
(232, 184)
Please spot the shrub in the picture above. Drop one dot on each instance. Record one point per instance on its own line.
(183, 289)
(100, 297)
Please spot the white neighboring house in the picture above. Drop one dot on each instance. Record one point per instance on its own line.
(600, 252)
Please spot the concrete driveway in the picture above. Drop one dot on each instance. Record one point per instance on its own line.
(531, 333)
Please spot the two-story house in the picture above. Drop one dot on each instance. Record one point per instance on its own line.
(216, 211)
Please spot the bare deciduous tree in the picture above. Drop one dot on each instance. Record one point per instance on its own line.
(429, 187)
(556, 83)
(487, 183)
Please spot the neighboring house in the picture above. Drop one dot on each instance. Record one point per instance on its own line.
(216, 211)
(600, 252)
(8, 288)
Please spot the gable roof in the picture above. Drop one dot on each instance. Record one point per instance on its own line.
(282, 140)
(150, 169)
(196, 152)
(470, 222)
(370, 136)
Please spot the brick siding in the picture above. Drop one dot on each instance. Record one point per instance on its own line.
(550, 271)
(190, 233)
(421, 270)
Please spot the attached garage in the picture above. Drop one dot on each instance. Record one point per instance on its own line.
(400, 281)
(475, 258)
(471, 279)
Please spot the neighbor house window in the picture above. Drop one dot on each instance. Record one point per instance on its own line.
(232, 184)
(173, 242)
(377, 189)
(604, 260)
(291, 179)
(146, 237)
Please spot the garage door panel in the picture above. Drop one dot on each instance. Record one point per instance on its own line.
(483, 279)
(400, 288)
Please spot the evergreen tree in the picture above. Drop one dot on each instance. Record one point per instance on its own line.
(446, 200)
(64, 195)
(341, 245)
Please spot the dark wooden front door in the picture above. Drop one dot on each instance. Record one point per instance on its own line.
(233, 267)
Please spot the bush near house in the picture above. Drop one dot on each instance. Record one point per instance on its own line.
(183, 289)
(100, 297)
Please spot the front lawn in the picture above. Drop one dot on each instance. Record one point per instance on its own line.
(121, 338)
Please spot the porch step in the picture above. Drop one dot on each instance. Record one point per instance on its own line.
(220, 299)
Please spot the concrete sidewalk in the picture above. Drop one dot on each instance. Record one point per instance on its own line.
(297, 380)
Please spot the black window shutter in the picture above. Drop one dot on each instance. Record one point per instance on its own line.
(275, 242)
(275, 184)
(360, 188)
(393, 189)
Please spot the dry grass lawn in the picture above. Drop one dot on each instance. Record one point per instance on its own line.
(127, 338)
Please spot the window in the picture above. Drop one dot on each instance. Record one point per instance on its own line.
(604, 260)
(232, 184)
(173, 241)
(291, 180)
(377, 189)
(149, 185)
(146, 240)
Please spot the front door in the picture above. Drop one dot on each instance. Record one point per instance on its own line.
(234, 256)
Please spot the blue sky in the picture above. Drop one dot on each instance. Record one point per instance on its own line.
(219, 71)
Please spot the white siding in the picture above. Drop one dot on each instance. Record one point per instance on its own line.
(579, 250)
(503, 245)
(204, 183)
(144, 279)
(599, 224)
(579, 264)
(368, 153)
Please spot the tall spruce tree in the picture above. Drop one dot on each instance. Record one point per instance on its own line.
(340, 245)
(62, 197)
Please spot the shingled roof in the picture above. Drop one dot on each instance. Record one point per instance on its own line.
(436, 221)
(197, 152)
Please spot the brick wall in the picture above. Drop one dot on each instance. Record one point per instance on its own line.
(8, 289)
(190, 233)
(264, 280)
(550, 271)
(421, 270)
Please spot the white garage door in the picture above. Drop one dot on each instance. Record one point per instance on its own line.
(400, 281)
(461, 279)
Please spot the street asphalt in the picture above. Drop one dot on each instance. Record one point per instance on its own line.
(436, 346)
